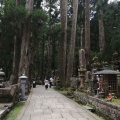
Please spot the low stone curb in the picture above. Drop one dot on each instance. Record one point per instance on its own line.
(5, 110)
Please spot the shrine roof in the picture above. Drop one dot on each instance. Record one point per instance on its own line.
(103, 72)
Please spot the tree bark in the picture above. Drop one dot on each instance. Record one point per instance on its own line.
(29, 6)
(72, 43)
(24, 49)
(25, 46)
(101, 33)
(87, 30)
(49, 46)
(62, 58)
(17, 2)
(17, 45)
(16, 56)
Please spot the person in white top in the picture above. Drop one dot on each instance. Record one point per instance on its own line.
(51, 82)
(46, 83)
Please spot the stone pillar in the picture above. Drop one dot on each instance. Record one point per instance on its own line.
(82, 64)
(82, 60)
(82, 71)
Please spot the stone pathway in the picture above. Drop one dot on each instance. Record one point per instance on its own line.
(50, 105)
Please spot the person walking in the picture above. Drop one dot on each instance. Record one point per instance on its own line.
(46, 82)
(51, 81)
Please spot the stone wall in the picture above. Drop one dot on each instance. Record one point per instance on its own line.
(10, 93)
(108, 110)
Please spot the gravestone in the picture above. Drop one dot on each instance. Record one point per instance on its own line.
(11, 79)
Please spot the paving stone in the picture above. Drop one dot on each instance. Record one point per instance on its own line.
(38, 111)
(63, 110)
(71, 119)
(56, 115)
(47, 111)
(60, 106)
(50, 105)
(35, 118)
(73, 110)
(76, 115)
(56, 110)
(46, 107)
(67, 115)
(82, 119)
(26, 117)
(57, 119)
(45, 116)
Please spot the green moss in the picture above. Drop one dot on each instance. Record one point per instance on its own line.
(12, 115)
(116, 101)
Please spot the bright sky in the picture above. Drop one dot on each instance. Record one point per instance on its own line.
(57, 3)
(113, 0)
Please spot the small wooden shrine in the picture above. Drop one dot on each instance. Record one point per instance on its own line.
(108, 80)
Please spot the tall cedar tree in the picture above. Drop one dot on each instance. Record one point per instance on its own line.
(103, 5)
(87, 30)
(72, 43)
(101, 33)
(62, 58)
(25, 46)
(16, 55)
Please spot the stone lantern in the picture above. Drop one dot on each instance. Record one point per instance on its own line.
(23, 79)
(82, 71)
(2, 77)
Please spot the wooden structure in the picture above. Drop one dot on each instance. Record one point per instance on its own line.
(109, 80)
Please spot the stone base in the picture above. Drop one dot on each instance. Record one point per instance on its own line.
(23, 99)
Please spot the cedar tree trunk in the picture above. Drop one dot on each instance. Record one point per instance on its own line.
(62, 58)
(87, 30)
(72, 43)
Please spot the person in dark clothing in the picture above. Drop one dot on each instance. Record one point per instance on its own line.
(51, 82)
(46, 82)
